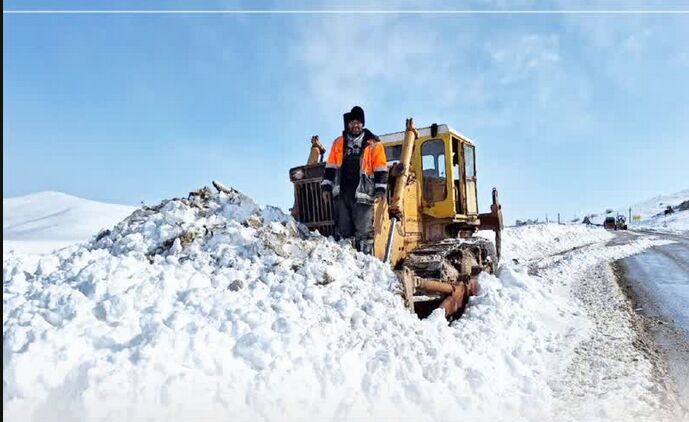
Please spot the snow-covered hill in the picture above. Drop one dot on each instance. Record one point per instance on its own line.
(657, 204)
(41, 221)
(653, 217)
(213, 308)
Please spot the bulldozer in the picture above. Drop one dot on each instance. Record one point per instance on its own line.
(426, 226)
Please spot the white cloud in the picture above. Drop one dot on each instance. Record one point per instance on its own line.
(522, 58)
(353, 60)
(631, 51)
(456, 71)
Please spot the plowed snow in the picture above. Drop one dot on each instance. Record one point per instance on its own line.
(216, 309)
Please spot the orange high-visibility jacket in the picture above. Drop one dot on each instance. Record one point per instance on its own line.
(373, 168)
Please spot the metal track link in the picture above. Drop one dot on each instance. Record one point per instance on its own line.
(452, 260)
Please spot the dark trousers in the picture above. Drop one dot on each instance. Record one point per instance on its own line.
(354, 220)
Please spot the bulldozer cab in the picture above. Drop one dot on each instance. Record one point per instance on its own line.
(444, 164)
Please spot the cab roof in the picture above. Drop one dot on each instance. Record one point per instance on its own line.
(424, 132)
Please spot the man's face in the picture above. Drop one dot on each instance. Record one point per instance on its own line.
(355, 127)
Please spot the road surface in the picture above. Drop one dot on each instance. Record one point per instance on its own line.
(657, 281)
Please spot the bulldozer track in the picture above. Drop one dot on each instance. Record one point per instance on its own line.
(434, 260)
(445, 273)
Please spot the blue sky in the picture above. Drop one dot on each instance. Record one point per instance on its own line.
(571, 113)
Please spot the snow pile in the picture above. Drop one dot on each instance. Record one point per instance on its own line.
(44, 221)
(212, 308)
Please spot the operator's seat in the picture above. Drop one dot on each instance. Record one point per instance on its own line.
(434, 186)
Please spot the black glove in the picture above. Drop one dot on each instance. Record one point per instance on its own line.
(396, 169)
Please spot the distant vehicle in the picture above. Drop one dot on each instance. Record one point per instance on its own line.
(612, 223)
(621, 223)
(609, 223)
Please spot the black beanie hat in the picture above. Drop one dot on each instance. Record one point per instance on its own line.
(357, 113)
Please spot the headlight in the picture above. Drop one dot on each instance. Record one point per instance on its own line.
(297, 174)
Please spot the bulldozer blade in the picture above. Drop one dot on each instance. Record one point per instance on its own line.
(454, 302)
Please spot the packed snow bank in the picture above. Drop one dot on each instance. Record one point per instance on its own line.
(41, 222)
(213, 308)
(541, 240)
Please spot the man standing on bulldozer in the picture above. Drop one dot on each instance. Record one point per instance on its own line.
(356, 175)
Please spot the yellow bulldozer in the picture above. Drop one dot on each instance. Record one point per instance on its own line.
(425, 227)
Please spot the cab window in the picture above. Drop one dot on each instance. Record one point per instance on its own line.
(433, 168)
(469, 168)
(393, 153)
(457, 174)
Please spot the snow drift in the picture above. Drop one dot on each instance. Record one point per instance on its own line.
(213, 308)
